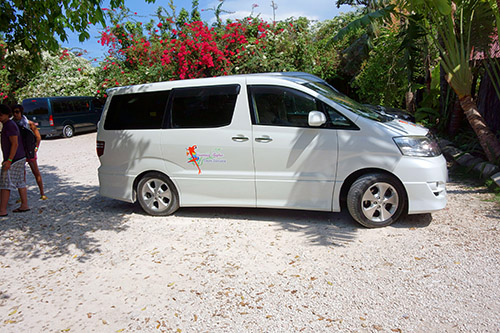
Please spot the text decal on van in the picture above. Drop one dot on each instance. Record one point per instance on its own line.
(215, 156)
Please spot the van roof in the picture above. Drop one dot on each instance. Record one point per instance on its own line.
(290, 76)
(58, 97)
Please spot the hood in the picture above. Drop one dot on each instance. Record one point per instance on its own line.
(403, 128)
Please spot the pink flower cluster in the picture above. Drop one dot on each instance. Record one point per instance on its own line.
(195, 52)
(191, 51)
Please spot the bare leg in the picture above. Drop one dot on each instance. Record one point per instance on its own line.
(23, 193)
(38, 176)
(4, 195)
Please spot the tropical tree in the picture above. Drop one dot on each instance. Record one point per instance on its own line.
(35, 25)
(454, 29)
(458, 27)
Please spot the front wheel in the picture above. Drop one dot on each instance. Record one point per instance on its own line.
(157, 194)
(68, 131)
(376, 200)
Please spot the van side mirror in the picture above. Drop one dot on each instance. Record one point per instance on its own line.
(316, 118)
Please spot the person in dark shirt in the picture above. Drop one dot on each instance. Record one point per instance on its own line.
(20, 119)
(13, 175)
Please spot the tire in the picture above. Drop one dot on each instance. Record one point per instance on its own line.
(376, 200)
(68, 131)
(157, 194)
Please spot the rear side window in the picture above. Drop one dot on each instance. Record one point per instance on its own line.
(137, 111)
(62, 106)
(81, 105)
(33, 107)
(98, 104)
(204, 107)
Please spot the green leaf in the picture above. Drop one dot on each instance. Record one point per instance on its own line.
(83, 36)
(443, 6)
(418, 2)
(99, 17)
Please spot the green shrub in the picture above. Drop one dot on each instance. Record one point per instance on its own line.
(63, 74)
(383, 80)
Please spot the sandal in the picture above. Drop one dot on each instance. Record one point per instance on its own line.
(43, 197)
(19, 210)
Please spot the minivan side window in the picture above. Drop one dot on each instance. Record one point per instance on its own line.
(203, 107)
(81, 105)
(137, 111)
(282, 106)
(62, 106)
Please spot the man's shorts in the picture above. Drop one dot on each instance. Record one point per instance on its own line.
(15, 177)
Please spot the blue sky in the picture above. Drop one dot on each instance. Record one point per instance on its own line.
(314, 10)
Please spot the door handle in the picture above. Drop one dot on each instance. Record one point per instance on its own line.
(264, 139)
(239, 138)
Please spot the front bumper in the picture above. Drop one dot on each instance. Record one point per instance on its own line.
(424, 179)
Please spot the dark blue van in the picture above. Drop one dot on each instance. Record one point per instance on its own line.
(56, 116)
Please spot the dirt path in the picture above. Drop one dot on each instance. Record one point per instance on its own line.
(79, 262)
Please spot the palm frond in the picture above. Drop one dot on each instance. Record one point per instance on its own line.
(493, 70)
(376, 16)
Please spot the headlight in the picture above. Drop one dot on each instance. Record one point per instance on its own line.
(418, 146)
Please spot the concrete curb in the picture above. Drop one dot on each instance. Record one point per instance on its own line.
(483, 168)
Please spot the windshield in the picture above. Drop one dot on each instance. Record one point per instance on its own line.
(331, 93)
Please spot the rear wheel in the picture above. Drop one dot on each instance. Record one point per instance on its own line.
(376, 200)
(68, 131)
(157, 194)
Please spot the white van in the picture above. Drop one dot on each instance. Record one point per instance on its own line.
(276, 140)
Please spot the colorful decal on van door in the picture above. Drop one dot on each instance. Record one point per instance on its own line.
(191, 153)
(215, 156)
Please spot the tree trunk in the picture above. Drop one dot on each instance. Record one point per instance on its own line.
(446, 98)
(455, 119)
(488, 140)
(410, 102)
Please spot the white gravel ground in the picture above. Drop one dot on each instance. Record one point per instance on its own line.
(79, 262)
